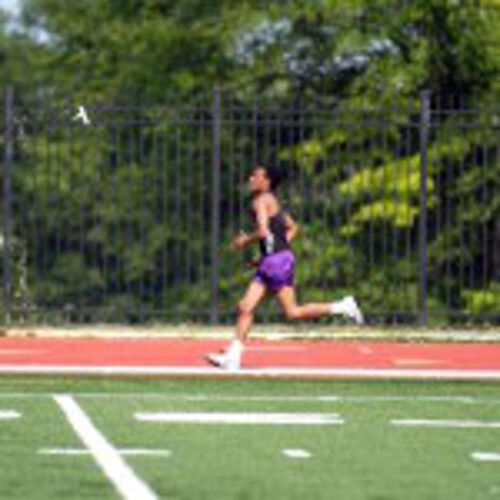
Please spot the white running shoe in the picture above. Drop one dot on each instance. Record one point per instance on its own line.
(352, 310)
(224, 361)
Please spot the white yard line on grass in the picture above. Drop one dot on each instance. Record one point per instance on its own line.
(241, 418)
(123, 478)
(64, 451)
(296, 453)
(323, 398)
(121, 451)
(9, 414)
(453, 424)
(482, 456)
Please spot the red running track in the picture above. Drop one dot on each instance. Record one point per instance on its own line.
(292, 358)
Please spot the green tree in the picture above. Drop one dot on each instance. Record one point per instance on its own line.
(123, 206)
(376, 70)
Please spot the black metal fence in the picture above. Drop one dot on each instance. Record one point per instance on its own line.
(125, 213)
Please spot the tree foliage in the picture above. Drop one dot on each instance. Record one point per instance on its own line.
(118, 214)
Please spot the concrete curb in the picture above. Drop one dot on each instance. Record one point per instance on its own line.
(272, 332)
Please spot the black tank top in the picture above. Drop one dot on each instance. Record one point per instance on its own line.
(276, 241)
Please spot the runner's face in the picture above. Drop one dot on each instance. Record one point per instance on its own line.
(258, 181)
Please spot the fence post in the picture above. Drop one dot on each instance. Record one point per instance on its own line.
(7, 202)
(425, 119)
(215, 233)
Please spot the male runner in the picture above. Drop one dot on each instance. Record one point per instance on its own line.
(275, 229)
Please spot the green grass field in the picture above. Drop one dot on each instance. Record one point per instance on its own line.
(362, 456)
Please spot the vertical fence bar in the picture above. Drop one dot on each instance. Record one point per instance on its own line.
(495, 261)
(215, 234)
(425, 117)
(7, 202)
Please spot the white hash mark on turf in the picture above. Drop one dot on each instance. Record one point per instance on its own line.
(123, 478)
(242, 418)
(327, 398)
(482, 456)
(454, 424)
(9, 414)
(121, 451)
(296, 453)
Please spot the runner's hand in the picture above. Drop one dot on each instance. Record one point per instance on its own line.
(240, 242)
(252, 264)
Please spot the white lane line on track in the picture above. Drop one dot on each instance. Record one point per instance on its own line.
(123, 478)
(296, 453)
(416, 362)
(9, 415)
(365, 350)
(19, 352)
(362, 373)
(276, 348)
(452, 424)
(240, 418)
(121, 451)
(483, 456)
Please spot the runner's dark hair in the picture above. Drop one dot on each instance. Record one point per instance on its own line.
(273, 175)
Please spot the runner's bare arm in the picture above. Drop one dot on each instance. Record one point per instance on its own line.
(244, 240)
(292, 228)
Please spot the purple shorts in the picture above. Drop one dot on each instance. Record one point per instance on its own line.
(276, 270)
